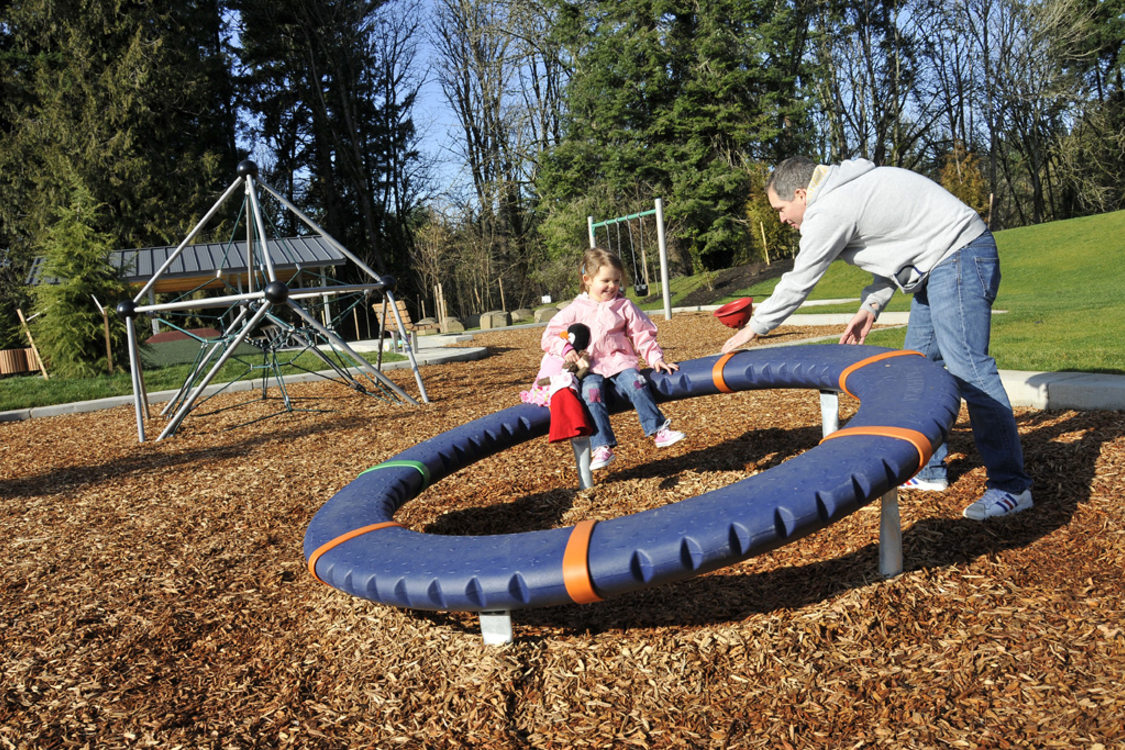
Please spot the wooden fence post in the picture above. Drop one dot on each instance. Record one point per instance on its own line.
(30, 340)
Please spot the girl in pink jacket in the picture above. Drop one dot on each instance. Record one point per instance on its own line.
(620, 333)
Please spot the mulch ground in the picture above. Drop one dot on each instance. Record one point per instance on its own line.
(155, 595)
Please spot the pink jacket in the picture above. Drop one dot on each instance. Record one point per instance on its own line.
(619, 333)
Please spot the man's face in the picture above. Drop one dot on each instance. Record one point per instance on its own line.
(791, 212)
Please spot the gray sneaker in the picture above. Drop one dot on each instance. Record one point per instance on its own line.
(998, 503)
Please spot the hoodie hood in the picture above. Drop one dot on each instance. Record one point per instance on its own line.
(825, 179)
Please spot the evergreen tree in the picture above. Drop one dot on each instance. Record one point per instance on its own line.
(69, 329)
(324, 82)
(132, 99)
(1092, 154)
(677, 100)
(129, 102)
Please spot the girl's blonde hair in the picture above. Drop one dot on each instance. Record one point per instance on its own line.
(596, 257)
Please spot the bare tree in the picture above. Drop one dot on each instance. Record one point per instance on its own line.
(1039, 83)
(395, 37)
(500, 75)
(431, 253)
(865, 55)
(1007, 76)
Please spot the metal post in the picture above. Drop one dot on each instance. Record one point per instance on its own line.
(134, 374)
(829, 412)
(890, 524)
(496, 627)
(263, 241)
(590, 230)
(185, 407)
(343, 345)
(581, 447)
(388, 295)
(663, 246)
(174, 402)
(191, 235)
(890, 536)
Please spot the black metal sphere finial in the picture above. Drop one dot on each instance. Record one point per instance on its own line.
(276, 292)
(127, 308)
(247, 167)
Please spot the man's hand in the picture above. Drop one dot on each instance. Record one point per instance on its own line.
(858, 328)
(739, 340)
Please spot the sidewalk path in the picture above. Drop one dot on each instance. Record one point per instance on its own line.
(431, 351)
(1039, 390)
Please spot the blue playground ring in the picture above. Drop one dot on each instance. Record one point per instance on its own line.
(907, 405)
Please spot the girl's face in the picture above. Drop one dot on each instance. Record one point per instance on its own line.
(604, 285)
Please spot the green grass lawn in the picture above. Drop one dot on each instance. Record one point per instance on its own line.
(1061, 290)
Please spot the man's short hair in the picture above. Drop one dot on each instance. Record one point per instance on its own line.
(795, 172)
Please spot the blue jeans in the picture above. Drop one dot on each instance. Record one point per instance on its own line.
(950, 322)
(633, 386)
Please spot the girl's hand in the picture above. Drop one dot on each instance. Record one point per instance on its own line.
(570, 356)
(662, 366)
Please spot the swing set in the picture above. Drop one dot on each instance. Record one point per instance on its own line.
(640, 270)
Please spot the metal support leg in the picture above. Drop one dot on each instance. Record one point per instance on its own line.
(185, 407)
(581, 446)
(890, 536)
(135, 374)
(356, 358)
(829, 412)
(890, 524)
(496, 627)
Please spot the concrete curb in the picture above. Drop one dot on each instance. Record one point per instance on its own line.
(429, 353)
(1083, 391)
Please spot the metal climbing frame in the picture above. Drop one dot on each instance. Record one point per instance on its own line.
(257, 306)
(658, 213)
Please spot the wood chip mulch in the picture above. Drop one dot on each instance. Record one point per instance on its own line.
(155, 595)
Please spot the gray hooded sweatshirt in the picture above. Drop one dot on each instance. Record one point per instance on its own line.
(893, 223)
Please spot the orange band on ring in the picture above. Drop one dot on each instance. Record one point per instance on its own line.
(576, 564)
(920, 442)
(717, 373)
(865, 362)
(319, 552)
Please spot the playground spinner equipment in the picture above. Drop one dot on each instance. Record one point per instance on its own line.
(259, 304)
(907, 407)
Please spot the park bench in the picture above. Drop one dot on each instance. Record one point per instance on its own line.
(388, 326)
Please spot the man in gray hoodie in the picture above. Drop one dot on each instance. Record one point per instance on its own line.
(912, 236)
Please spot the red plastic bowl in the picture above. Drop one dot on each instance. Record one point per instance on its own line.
(735, 314)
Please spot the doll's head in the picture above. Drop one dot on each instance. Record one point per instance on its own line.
(578, 334)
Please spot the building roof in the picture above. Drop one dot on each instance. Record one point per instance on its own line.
(207, 263)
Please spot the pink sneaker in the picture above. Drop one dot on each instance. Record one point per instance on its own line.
(666, 437)
(601, 458)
